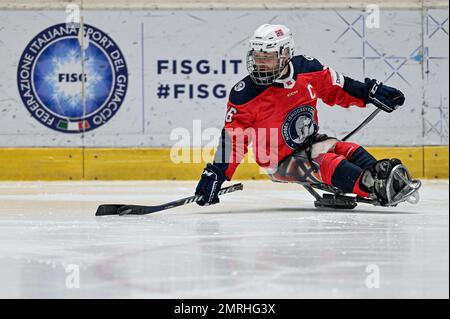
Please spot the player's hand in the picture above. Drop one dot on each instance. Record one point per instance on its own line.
(382, 96)
(209, 185)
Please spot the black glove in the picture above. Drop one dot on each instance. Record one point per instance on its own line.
(209, 185)
(382, 96)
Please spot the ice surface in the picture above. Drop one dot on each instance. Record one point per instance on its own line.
(267, 241)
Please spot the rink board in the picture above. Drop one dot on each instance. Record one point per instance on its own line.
(162, 164)
(199, 55)
(202, 54)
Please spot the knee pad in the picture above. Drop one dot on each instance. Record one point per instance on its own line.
(355, 154)
(346, 148)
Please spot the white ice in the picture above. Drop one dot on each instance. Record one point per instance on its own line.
(267, 241)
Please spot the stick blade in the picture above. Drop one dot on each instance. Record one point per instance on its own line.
(108, 209)
(137, 210)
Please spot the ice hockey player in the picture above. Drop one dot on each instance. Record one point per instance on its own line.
(276, 103)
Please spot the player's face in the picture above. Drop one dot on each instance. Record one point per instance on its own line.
(266, 61)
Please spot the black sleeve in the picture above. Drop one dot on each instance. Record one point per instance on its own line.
(223, 152)
(356, 88)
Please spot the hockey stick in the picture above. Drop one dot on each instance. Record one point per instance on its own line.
(121, 209)
(360, 126)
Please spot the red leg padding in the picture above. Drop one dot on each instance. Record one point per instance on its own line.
(328, 163)
(345, 149)
(357, 190)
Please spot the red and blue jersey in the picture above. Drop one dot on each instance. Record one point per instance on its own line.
(270, 117)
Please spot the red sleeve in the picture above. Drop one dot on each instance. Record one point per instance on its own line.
(329, 86)
(236, 135)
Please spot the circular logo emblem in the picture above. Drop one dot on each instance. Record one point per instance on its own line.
(299, 125)
(72, 80)
(240, 86)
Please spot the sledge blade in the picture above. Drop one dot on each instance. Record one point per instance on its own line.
(336, 201)
(108, 209)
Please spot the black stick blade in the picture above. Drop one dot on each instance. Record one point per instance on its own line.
(134, 210)
(108, 209)
(122, 210)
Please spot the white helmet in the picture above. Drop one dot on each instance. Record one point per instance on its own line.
(271, 49)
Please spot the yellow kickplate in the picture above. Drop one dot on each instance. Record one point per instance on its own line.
(411, 157)
(46, 164)
(163, 163)
(436, 162)
(155, 164)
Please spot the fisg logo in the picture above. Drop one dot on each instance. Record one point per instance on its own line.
(56, 68)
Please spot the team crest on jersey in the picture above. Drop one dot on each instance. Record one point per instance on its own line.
(72, 80)
(240, 86)
(299, 125)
